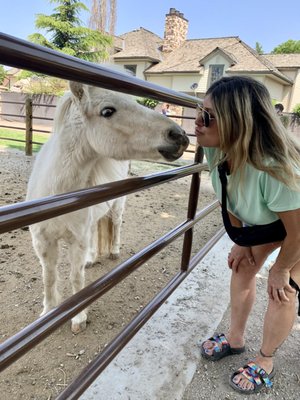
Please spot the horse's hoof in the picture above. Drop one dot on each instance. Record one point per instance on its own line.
(114, 256)
(92, 264)
(78, 327)
(89, 264)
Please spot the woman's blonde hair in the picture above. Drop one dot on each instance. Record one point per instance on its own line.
(251, 132)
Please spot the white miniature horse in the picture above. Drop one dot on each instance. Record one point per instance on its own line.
(95, 132)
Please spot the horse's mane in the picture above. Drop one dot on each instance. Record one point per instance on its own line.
(62, 109)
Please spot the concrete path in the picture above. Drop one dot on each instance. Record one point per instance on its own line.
(161, 360)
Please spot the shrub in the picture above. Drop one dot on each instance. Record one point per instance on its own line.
(150, 103)
(295, 120)
(2, 74)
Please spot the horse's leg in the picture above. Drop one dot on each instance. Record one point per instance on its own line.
(92, 252)
(117, 218)
(46, 249)
(77, 255)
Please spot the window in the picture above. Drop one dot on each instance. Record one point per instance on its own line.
(131, 69)
(215, 72)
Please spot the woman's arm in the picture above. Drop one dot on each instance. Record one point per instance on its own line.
(289, 254)
(290, 250)
(238, 253)
(235, 221)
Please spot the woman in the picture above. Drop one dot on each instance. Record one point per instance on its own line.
(240, 132)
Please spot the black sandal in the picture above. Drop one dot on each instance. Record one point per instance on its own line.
(221, 348)
(255, 374)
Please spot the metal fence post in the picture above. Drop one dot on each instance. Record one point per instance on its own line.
(28, 134)
(192, 209)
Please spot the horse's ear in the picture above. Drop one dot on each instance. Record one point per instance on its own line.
(77, 89)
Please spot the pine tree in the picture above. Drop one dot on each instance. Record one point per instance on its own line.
(66, 34)
(258, 48)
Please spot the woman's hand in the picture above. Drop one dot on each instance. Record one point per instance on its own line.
(278, 284)
(237, 254)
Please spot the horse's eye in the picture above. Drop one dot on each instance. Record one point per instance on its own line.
(107, 112)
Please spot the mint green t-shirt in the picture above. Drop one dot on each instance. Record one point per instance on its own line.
(258, 198)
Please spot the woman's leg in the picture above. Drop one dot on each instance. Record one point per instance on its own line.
(278, 322)
(242, 295)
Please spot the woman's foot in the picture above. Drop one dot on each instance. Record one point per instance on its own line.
(218, 347)
(245, 380)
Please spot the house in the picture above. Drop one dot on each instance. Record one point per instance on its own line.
(11, 77)
(190, 66)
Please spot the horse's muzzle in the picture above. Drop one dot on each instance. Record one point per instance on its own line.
(177, 144)
(178, 137)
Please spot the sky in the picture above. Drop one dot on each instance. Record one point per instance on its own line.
(268, 22)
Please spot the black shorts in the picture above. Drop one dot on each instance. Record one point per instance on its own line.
(296, 287)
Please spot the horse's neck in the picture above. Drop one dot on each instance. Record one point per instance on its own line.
(76, 166)
(108, 170)
(77, 163)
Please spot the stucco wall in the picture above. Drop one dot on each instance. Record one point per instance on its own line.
(295, 96)
(141, 66)
(275, 90)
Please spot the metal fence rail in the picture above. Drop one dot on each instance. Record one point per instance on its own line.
(22, 54)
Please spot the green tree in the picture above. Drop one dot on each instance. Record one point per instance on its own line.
(150, 103)
(67, 35)
(296, 116)
(290, 46)
(2, 74)
(258, 48)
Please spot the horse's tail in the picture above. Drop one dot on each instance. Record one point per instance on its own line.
(105, 235)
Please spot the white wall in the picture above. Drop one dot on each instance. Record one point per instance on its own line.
(178, 82)
(141, 66)
(276, 90)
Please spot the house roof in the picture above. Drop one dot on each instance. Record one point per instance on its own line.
(284, 60)
(189, 56)
(140, 43)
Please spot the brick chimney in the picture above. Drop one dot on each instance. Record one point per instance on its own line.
(176, 27)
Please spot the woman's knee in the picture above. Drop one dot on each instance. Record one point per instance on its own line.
(284, 306)
(248, 268)
(262, 252)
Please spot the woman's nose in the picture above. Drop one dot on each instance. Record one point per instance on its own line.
(198, 120)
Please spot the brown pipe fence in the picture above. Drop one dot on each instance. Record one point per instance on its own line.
(21, 54)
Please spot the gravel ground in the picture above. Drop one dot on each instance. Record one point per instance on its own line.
(211, 379)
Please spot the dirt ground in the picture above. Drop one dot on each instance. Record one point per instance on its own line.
(45, 371)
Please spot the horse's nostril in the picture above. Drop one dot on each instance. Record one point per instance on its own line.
(178, 136)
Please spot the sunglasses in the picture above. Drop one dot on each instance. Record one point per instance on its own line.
(205, 116)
